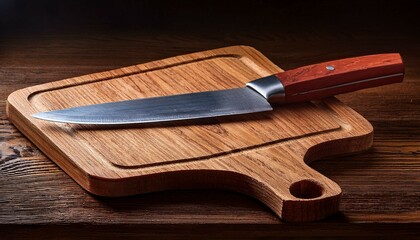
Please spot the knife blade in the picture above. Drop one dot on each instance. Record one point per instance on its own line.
(306, 83)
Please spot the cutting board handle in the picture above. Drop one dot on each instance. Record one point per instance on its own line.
(340, 76)
(292, 189)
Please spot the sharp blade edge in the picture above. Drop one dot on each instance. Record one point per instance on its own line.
(166, 108)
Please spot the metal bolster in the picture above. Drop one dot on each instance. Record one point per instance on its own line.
(269, 87)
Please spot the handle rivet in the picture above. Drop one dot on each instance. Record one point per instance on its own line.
(330, 68)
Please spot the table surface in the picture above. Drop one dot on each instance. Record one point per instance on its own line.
(381, 190)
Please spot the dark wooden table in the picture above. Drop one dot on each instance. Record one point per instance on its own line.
(53, 40)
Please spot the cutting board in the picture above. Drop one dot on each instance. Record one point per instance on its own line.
(264, 155)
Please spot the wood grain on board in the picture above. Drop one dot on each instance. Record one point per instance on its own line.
(263, 155)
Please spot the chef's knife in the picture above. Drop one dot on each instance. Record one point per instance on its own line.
(302, 84)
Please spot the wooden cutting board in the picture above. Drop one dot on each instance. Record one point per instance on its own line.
(264, 155)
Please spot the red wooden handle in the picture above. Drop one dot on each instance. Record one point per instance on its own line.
(346, 75)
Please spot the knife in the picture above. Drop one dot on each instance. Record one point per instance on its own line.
(306, 83)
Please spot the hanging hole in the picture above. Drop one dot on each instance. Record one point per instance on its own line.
(306, 189)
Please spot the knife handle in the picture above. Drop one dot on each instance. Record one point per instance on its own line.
(346, 75)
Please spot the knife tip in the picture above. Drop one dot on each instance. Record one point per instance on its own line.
(38, 115)
(43, 116)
